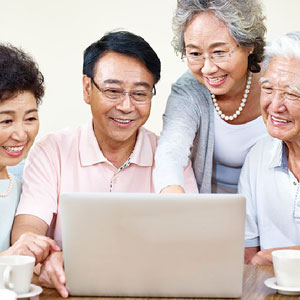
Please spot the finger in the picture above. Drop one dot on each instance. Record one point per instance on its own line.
(58, 281)
(40, 253)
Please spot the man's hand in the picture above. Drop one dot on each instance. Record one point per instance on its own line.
(264, 257)
(52, 274)
(33, 245)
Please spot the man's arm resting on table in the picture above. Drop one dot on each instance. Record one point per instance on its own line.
(263, 257)
(249, 253)
(28, 238)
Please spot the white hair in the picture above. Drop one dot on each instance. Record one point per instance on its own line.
(287, 46)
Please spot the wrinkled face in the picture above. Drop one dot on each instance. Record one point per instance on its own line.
(280, 98)
(19, 125)
(206, 35)
(118, 121)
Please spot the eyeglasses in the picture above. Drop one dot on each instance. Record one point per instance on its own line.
(117, 94)
(217, 57)
(291, 96)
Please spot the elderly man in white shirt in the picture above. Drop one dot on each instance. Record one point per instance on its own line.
(271, 172)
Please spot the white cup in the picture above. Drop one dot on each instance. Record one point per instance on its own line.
(16, 273)
(7, 294)
(286, 265)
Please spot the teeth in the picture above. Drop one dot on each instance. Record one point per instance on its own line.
(280, 120)
(122, 121)
(216, 79)
(14, 149)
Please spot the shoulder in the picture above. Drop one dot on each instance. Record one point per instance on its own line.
(151, 136)
(190, 84)
(65, 138)
(262, 153)
(264, 146)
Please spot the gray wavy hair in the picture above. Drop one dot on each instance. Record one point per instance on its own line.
(287, 45)
(244, 19)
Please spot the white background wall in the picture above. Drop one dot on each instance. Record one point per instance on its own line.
(56, 33)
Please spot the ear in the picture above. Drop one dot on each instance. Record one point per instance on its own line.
(250, 50)
(87, 89)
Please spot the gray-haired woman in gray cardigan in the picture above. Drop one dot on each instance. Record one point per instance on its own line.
(213, 115)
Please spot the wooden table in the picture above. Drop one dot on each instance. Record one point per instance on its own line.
(253, 288)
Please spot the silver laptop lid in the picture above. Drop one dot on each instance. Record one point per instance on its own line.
(150, 245)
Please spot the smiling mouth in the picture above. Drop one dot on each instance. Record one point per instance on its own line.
(122, 121)
(14, 149)
(216, 79)
(280, 120)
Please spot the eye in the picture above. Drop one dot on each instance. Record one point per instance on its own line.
(267, 89)
(140, 94)
(31, 119)
(219, 53)
(6, 122)
(194, 54)
(113, 91)
(292, 96)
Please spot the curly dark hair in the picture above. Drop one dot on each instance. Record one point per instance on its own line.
(19, 73)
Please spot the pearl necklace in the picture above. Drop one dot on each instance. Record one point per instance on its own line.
(10, 185)
(240, 108)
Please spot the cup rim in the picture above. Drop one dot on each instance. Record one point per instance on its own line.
(26, 259)
(281, 253)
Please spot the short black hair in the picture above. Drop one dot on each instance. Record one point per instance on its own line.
(123, 42)
(19, 73)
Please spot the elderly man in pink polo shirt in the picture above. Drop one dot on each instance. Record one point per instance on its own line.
(112, 153)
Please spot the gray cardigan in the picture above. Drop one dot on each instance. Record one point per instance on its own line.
(188, 131)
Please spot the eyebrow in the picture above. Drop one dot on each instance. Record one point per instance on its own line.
(12, 112)
(217, 44)
(140, 83)
(294, 88)
(263, 80)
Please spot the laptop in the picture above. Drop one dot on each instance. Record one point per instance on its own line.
(153, 245)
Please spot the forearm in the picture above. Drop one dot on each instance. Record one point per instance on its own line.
(28, 223)
(249, 253)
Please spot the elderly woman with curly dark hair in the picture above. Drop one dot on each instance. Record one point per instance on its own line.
(213, 114)
(21, 90)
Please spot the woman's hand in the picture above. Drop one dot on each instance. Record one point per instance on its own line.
(34, 245)
(176, 189)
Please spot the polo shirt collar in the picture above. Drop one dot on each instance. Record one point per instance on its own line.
(278, 157)
(90, 152)
(143, 153)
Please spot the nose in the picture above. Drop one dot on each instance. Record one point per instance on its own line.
(19, 132)
(209, 67)
(278, 104)
(126, 104)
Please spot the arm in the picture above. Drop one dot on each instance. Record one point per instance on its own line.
(250, 252)
(38, 203)
(264, 257)
(246, 187)
(181, 123)
(189, 183)
(28, 238)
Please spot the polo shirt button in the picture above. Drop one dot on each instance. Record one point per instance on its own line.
(298, 203)
(295, 183)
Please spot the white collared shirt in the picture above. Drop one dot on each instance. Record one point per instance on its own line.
(273, 197)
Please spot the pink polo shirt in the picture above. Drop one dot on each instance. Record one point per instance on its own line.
(71, 161)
